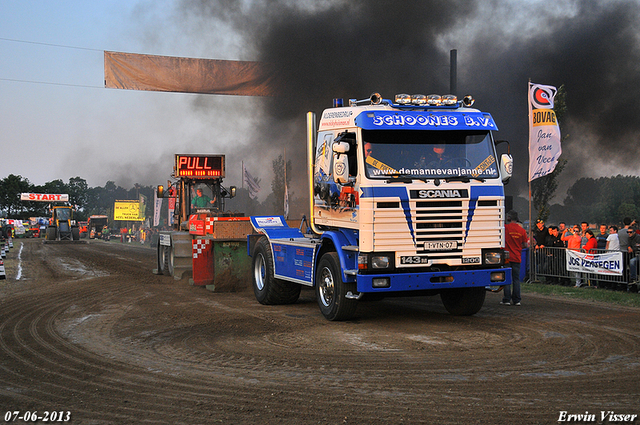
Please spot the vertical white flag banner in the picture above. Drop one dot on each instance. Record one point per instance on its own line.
(286, 201)
(286, 190)
(157, 206)
(544, 132)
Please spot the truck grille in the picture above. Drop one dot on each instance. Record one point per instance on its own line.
(438, 221)
(443, 230)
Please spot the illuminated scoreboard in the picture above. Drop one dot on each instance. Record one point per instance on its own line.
(200, 166)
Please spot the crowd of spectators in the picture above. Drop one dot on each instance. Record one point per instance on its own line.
(582, 238)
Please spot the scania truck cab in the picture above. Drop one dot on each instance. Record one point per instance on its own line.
(406, 197)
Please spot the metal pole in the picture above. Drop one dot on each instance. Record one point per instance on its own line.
(532, 266)
(453, 71)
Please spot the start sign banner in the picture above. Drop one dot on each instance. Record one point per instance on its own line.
(45, 197)
(127, 211)
(609, 263)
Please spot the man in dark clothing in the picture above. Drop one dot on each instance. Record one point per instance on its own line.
(602, 238)
(553, 239)
(540, 233)
(554, 261)
(625, 248)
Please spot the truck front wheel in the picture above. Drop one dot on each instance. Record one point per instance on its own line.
(331, 291)
(267, 289)
(51, 233)
(463, 301)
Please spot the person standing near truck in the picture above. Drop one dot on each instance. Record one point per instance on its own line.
(515, 239)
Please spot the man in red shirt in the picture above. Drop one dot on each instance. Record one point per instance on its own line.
(515, 239)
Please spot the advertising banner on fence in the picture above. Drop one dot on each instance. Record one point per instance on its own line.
(127, 211)
(609, 263)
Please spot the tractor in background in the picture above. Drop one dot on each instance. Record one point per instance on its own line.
(62, 226)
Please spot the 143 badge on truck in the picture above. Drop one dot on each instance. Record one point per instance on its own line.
(413, 259)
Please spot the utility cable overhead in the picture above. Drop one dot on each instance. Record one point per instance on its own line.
(50, 83)
(49, 44)
(15, 80)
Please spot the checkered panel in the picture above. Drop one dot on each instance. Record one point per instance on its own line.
(208, 225)
(199, 245)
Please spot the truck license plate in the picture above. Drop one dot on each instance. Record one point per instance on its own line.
(441, 246)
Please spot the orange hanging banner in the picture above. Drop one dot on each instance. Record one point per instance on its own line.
(132, 71)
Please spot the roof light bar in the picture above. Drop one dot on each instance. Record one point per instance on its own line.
(449, 99)
(416, 100)
(403, 99)
(419, 99)
(434, 100)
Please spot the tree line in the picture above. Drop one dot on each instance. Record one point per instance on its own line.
(603, 200)
(100, 200)
(87, 200)
(600, 200)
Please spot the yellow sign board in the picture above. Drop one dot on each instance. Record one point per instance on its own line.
(127, 211)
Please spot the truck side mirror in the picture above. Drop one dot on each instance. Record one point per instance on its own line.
(340, 162)
(160, 191)
(232, 191)
(506, 167)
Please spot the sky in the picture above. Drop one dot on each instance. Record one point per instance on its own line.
(58, 121)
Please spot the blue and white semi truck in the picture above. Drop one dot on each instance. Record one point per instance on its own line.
(406, 197)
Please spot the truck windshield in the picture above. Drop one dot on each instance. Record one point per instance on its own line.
(429, 154)
(63, 214)
(205, 195)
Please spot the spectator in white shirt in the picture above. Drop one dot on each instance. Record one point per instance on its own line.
(613, 243)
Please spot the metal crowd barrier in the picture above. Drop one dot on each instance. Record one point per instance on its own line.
(550, 263)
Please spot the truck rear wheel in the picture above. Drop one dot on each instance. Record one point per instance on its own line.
(463, 301)
(331, 291)
(267, 289)
(163, 260)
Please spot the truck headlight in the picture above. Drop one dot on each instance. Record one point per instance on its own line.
(492, 257)
(375, 261)
(380, 262)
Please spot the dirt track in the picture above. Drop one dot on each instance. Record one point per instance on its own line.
(90, 330)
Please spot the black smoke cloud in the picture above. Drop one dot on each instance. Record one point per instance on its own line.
(355, 48)
(595, 55)
(351, 48)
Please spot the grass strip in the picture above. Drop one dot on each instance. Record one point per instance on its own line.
(624, 298)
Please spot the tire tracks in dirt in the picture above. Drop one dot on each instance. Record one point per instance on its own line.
(113, 343)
